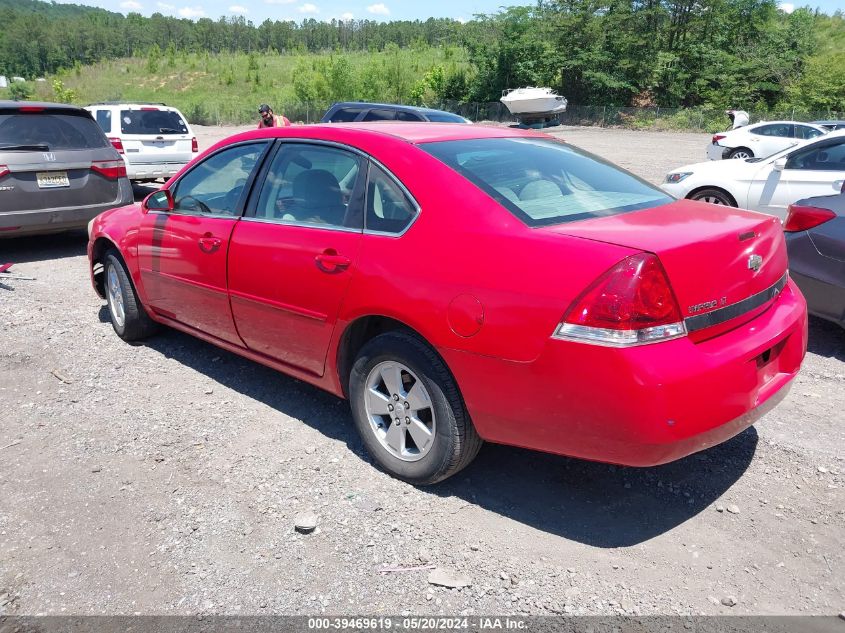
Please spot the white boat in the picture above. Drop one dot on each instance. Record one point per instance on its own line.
(532, 100)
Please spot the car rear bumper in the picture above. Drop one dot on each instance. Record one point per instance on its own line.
(717, 152)
(153, 171)
(19, 223)
(639, 406)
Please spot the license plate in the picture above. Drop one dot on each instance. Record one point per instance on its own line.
(50, 179)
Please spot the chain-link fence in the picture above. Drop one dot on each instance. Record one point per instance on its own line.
(656, 118)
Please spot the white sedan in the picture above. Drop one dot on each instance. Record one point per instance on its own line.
(811, 168)
(761, 139)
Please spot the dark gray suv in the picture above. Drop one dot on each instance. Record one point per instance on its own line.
(348, 111)
(57, 169)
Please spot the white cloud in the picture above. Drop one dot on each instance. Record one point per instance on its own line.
(131, 5)
(236, 8)
(347, 16)
(461, 20)
(279, 1)
(378, 9)
(192, 12)
(164, 6)
(308, 8)
(787, 7)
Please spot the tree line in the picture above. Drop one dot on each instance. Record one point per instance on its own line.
(668, 53)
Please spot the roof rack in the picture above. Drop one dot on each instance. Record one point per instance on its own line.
(126, 103)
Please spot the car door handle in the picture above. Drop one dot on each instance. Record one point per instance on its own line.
(208, 243)
(329, 261)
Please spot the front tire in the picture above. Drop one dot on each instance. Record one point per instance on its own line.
(128, 317)
(713, 196)
(408, 410)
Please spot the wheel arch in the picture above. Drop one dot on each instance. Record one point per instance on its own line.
(101, 246)
(715, 188)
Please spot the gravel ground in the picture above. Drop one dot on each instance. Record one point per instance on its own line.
(166, 478)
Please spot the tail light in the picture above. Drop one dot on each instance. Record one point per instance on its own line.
(4, 170)
(117, 144)
(801, 218)
(631, 304)
(194, 145)
(717, 137)
(111, 169)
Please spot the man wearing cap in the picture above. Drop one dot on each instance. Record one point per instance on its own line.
(268, 119)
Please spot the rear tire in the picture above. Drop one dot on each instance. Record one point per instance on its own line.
(741, 153)
(395, 374)
(128, 317)
(713, 196)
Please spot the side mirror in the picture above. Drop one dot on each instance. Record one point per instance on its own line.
(779, 164)
(161, 200)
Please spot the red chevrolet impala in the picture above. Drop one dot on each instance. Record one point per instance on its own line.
(462, 283)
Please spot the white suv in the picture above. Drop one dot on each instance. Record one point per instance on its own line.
(154, 140)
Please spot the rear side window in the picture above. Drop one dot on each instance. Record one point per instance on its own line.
(545, 182)
(104, 120)
(345, 115)
(407, 116)
(56, 131)
(380, 115)
(152, 122)
(388, 208)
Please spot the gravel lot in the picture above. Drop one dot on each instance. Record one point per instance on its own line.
(165, 478)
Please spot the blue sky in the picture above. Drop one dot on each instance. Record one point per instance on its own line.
(297, 10)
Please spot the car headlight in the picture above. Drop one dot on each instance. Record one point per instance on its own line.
(677, 177)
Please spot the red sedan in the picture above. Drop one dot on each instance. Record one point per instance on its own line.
(462, 283)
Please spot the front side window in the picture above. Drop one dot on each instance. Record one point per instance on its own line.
(152, 121)
(388, 208)
(774, 129)
(216, 185)
(825, 158)
(806, 132)
(312, 185)
(52, 131)
(544, 182)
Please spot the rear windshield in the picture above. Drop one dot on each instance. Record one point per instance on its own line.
(55, 131)
(444, 117)
(545, 182)
(152, 122)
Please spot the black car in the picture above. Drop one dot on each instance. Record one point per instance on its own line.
(57, 169)
(830, 125)
(815, 241)
(346, 112)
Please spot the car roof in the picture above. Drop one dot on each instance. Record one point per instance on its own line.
(46, 105)
(414, 133)
(829, 122)
(777, 123)
(133, 104)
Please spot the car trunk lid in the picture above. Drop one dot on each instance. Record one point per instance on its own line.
(724, 265)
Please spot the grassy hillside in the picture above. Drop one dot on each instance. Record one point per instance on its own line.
(228, 88)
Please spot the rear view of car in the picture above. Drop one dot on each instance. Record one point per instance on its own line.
(815, 238)
(154, 139)
(57, 169)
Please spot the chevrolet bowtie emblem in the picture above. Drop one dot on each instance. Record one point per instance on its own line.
(754, 262)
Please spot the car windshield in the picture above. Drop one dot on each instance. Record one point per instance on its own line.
(546, 182)
(48, 132)
(152, 121)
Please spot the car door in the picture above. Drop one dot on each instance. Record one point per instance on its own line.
(770, 138)
(292, 256)
(182, 253)
(817, 170)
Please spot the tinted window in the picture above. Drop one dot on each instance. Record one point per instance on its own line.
(56, 131)
(775, 129)
(805, 132)
(380, 115)
(388, 208)
(152, 122)
(407, 116)
(104, 120)
(547, 182)
(345, 115)
(216, 185)
(826, 158)
(311, 184)
(444, 117)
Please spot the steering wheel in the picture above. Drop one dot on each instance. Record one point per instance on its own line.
(194, 204)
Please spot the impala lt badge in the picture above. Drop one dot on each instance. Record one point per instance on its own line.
(754, 262)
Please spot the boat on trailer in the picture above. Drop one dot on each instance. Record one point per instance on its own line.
(533, 102)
